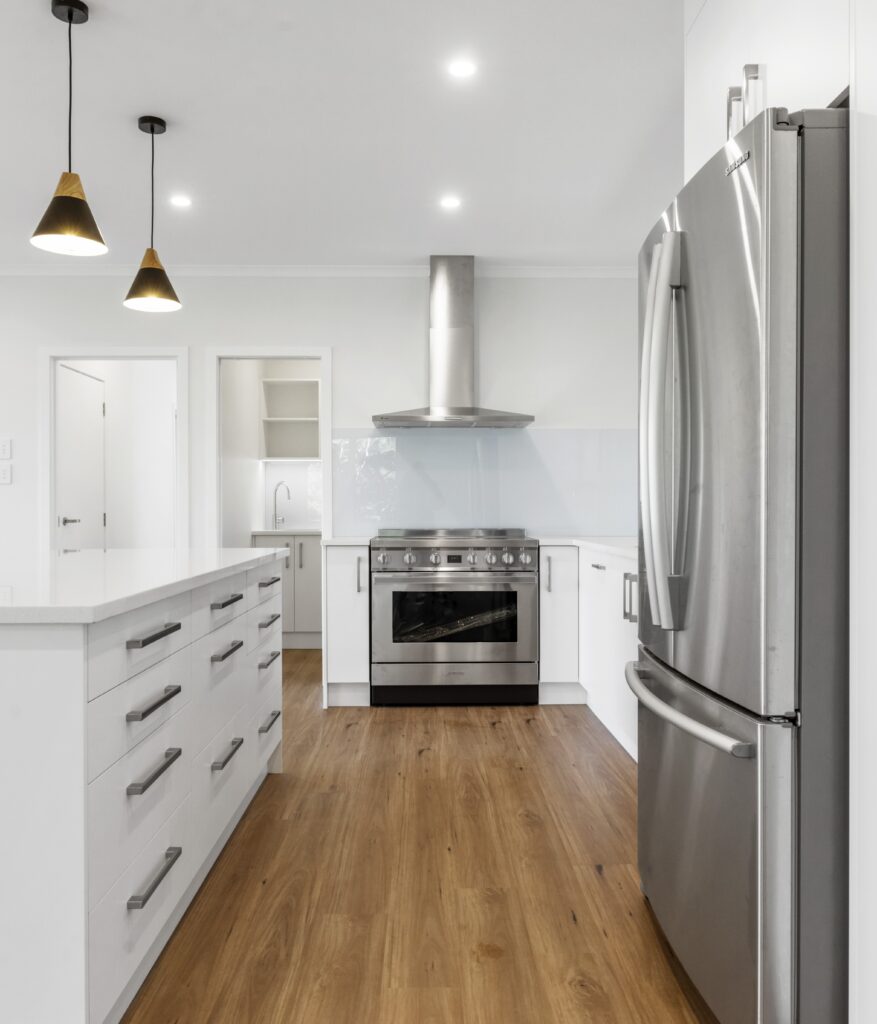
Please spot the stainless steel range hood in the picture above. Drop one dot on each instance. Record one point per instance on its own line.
(452, 355)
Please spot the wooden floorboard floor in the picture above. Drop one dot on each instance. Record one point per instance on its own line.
(420, 865)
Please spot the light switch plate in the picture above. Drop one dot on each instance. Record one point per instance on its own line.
(6, 473)
(5, 447)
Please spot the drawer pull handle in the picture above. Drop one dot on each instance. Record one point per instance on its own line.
(235, 645)
(267, 726)
(140, 713)
(236, 745)
(269, 582)
(269, 661)
(217, 606)
(596, 565)
(171, 856)
(139, 788)
(145, 641)
(269, 621)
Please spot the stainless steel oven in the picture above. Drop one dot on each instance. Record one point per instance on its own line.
(455, 617)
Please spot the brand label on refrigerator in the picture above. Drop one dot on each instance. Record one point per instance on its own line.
(737, 163)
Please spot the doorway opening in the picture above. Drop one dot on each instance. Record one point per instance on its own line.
(115, 443)
(273, 460)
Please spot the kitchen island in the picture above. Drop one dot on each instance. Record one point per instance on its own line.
(142, 698)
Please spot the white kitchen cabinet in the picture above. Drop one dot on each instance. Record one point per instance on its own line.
(609, 640)
(302, 586)
(558, 614)
(147, 759)
(346, 637)
(308, 585)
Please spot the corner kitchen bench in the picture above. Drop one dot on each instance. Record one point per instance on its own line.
(141, 710)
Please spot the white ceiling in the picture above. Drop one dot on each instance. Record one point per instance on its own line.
(325, 133)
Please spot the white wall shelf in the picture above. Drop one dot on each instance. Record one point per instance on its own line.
(290, 418)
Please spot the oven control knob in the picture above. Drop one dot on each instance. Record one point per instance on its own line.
(435, 558)
(508, 558)
(526, 558)
(490, 558)
(409, 558)
(472, 558)
(383, 558)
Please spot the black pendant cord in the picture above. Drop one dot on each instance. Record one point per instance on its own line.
(70, 91)
(152, 193)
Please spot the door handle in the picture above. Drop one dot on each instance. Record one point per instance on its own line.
(645, 401)
(358, 575)
(287, 557)
(548, 574)
(301, 554)
(66, 521)
(628, 581)
(712, 737)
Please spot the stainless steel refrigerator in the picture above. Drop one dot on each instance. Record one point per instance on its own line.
(742, 670)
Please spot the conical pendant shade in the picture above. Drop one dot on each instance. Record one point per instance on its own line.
(67, 226)
(152, 291)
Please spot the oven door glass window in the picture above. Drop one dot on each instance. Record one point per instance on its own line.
(455, 616)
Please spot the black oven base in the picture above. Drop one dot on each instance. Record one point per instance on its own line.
(451, 695)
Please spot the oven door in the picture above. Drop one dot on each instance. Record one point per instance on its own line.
(454, 617)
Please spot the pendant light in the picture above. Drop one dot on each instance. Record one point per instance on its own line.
(152, 291)
(68, 226)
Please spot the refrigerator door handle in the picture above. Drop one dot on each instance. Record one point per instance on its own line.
(645, 398)
(712, 737)
(668, 279)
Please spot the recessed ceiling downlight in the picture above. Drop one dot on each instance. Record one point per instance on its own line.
(462, 67)
(450, 202)
(181, 201)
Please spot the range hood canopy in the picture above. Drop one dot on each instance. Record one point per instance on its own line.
(452, 355)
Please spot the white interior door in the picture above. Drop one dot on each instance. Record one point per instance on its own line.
(79, 459)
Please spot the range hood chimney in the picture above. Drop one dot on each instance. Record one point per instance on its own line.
(452, 399)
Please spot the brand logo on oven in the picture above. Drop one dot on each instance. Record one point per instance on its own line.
(737, 163)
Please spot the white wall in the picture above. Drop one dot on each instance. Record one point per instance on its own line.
(863, 539)
(139, 449)
(563, 349)
(241, 476)
(804, 43)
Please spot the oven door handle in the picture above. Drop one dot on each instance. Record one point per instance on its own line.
(432, 577)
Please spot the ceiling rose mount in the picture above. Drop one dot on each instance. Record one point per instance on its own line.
(68, 226)
(151, 124)
(73, 12)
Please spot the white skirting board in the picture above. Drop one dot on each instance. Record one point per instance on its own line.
(562, 693)
(133, 986)
(302, 641)
(349, 695)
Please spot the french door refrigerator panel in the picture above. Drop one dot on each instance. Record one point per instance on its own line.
(718, 318)
(716, 850)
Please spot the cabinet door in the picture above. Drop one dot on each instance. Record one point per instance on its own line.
(609, 641)
(286, 568)
(347, 614)
(308, 585)
(559, 615)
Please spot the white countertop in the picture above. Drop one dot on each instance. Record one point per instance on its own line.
(288, 531)
(625, 546)
(87, 586)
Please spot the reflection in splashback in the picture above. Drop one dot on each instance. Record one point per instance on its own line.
(552, 482)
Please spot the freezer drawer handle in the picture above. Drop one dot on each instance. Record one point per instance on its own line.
(727, 744)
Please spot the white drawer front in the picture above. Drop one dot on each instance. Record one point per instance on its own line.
(218, 603)
(220, 680)
(131, 711)
(265, 674)
(221, 776)
(265, 625)
(119, 937)
(124, 645)
(266, 726)
(264, 582)
(121, 820)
